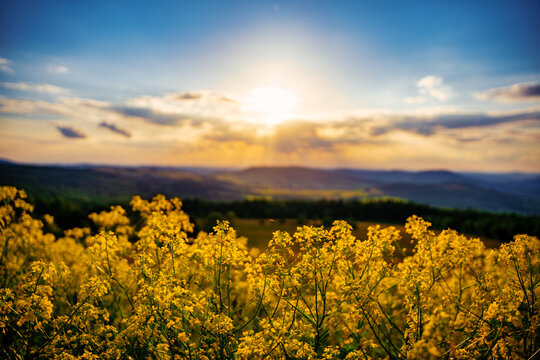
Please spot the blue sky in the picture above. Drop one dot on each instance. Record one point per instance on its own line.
(371, 83)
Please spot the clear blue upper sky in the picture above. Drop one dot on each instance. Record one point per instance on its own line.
(333, 56)
(497, 32)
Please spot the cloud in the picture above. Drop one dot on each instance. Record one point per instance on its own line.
(207, 96)
(226, 98)
(208, 123)
(57, 69)
(222, 131)
(430, 87)
(205, 129)
(4, 67)
(429, 81)
(430, 126)
(155, 110)
(160, 118)
(294, 135)
(303, 136)
(433, 86)
(42, 88)
(187, 96)
(76, 108)
(481, 120)
(115, 129)
(415, 100)
(177, 109)
(513, 93)
(70, 132)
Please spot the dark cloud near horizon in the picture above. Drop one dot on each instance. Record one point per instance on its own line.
(463, 121)
(115, 129)
(532, 90)
(516, 92)
(70, 132)
(457, 121)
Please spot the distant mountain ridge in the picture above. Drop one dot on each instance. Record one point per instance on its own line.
(293, 177)
(118, 183)
(512, 192)
(490, 192)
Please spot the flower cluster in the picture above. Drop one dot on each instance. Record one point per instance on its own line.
(146, 290)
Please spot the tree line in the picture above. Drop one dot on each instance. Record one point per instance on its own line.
(69, 212)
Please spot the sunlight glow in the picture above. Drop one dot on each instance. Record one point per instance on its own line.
(274, 103)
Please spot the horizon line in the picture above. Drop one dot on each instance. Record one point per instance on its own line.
(6, 161)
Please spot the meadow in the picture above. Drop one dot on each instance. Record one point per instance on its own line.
(145, 289)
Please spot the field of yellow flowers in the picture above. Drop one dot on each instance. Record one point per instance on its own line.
(148, 291)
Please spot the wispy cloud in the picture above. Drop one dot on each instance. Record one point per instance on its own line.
(57, 69)
(513, 93)
(42, 88)
(309, 136)
(187, 96)
(67, 107)
(159, 110)
(207, 96)
(4, 66)
(177, 109)
(434, 87)
(158, 117)
(115, 129)
(415, 100)
(70, 132)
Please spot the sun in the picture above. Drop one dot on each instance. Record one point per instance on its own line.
(274, 104)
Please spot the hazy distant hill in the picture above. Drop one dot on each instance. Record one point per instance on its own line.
(396, 176)
(491, 192)
(290, 178)
(114, 182)
(461, 195)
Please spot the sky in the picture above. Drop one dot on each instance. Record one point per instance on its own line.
(361, 84)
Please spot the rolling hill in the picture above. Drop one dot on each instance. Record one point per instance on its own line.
(115, 183)
(489, 192)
